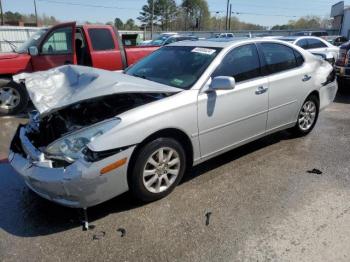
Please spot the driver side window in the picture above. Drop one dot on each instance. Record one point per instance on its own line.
(58, 42)
(242, 63)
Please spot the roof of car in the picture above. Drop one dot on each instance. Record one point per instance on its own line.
(215, 42)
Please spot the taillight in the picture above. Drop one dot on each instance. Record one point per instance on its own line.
(343, 57)
(346, 61)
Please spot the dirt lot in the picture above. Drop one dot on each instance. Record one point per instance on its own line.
(265, 207)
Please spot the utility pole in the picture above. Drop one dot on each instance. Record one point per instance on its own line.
(2, 13)
(229, 19)
(36, 13)
(228, 3)
(152, 15)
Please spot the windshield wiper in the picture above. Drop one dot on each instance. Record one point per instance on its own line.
(140, 76)
(12, 45)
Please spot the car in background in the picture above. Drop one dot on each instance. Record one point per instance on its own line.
(342, 65)
(311, 33)
(99, 46)
(225, 35)
(166, 40)
(314, 44)
(336, 40)
(183, 104)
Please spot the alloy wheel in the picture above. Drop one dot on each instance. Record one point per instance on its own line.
(161, 169)
(307, 115)
(9, 97)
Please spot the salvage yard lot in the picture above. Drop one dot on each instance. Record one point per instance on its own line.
(264, 206)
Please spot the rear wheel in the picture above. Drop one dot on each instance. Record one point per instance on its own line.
(307, 117)
(159, 167)
(13, 97)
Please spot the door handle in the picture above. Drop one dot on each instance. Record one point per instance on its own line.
(260, 90)
(306, 78)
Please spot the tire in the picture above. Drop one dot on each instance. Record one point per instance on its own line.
(147, 180)
(307, 116)
(13, 97)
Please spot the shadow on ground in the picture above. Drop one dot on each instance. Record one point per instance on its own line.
(25, 214)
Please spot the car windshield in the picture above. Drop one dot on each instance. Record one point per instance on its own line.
(177, 66)
(32, 41)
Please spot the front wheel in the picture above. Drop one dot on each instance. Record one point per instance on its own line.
(307, 117)
(159, 167)
(13, 97)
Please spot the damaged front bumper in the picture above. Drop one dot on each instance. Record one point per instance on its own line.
(78, 185)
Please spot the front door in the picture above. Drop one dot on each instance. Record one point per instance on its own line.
(228, 118)
(56, 49)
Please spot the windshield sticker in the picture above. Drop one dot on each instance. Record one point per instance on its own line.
(205, 51)
(177, 82)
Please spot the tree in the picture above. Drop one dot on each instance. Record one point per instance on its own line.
(130, 25)
(166, 11)
(118, 23)
(146, 14)
(196, 13)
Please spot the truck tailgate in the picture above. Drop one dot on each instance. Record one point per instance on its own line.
(135, 53)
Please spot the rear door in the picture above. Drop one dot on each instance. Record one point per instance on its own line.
(56, 49)
(104, 47)
(289, 81)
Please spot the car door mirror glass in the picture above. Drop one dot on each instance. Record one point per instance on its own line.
(33, 51)
(222, 83)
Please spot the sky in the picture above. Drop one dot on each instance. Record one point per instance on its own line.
(267, 13)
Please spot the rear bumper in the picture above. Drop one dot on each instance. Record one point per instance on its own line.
(78, 185)
(343, 71)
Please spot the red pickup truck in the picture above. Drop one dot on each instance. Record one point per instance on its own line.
(98, 46)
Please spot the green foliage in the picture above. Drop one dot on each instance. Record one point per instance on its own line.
(118, 23)
(307, 22)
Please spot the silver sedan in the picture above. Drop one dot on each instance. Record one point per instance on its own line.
(97, 134)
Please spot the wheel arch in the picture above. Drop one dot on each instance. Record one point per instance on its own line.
(174, 133)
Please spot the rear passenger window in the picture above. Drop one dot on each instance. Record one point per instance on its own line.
(280, 57)
(299, 58)
(302, 43)
(242, 63)
(315, 43)
(101, 39)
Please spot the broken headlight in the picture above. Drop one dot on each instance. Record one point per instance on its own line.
(70, 146)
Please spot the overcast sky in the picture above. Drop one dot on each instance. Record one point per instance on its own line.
(266, 13)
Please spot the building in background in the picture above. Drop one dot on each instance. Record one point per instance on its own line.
(341, 19)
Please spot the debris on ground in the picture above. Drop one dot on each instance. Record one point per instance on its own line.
(207, 215)
(98, 235)
(315, 171)
(122, 231)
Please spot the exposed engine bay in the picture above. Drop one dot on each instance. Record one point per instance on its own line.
(85, 113)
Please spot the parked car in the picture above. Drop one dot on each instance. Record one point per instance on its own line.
(166, 40)
(342, 65)
(315, 45)
(311, 33)
(336, 40)
(98, 46)
(225, 35)
(98, 134)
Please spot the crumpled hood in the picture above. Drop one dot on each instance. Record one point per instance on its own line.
(62, 86)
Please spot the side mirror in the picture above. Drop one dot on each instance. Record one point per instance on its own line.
(33, 51)
(222, 83)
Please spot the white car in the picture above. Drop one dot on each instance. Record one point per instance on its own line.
(313, 44)
(98, 134)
